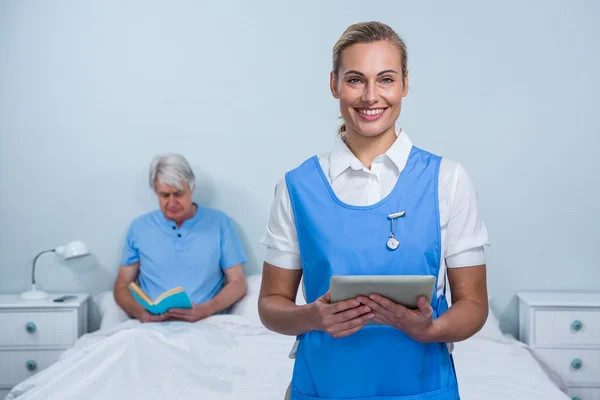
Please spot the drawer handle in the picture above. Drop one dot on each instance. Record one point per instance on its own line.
(576, 325)
(31, 365)
(576, 363)
(30, 327)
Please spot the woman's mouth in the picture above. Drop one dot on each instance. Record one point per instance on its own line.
(370, 114)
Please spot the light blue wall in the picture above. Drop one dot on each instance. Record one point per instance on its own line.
(90, 91)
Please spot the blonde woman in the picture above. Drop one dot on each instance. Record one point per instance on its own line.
(330, 217)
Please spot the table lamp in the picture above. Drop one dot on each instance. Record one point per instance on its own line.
(70, 250)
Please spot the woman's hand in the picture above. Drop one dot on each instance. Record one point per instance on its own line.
(418, 324)
(339, 319)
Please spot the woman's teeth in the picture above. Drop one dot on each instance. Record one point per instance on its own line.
(374, 111)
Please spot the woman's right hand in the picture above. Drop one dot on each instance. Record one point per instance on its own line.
(339, 319)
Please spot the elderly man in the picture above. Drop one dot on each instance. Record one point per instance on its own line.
(180, 244)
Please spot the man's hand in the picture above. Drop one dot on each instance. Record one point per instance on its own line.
(196, 313)
(146, 317)
(418, 324)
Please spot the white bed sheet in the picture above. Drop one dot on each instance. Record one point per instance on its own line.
(230, 357)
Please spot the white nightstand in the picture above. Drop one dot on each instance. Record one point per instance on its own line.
(33, 334)
(564, 330)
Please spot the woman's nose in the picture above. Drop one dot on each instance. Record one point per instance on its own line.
(370, 94)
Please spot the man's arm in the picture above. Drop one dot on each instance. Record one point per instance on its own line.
(123, 297)
(234, 290)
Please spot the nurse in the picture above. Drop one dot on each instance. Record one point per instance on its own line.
(331, 216)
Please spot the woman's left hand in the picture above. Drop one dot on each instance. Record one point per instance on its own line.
(418, 324)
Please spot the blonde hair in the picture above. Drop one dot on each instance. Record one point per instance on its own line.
(367, 32)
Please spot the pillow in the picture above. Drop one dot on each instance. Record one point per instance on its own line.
(491, 328)
(248, 306)
(110, 312)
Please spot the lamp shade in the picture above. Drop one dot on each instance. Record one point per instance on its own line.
(72, 249)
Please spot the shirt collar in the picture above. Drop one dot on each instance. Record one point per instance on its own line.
(187, 223)
(342, 158)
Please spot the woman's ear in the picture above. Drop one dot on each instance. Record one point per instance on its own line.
(333, 85)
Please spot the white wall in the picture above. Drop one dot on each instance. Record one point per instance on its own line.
(91, 91)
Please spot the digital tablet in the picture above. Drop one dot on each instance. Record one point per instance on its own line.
(401, 289)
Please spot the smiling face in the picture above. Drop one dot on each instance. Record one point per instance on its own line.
(370, 87)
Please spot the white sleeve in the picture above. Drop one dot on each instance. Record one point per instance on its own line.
(281, 239)
(466, 234)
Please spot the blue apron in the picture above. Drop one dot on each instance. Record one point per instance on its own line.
(335, 238)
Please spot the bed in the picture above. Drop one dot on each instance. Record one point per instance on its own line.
(233, 356)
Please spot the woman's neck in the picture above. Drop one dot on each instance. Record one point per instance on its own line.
(366, 148)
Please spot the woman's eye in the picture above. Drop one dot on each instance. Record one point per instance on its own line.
(387, 80)
(354, 80)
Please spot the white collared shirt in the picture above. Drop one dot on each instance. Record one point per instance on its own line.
(463, 233)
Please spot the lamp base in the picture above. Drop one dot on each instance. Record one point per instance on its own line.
(33, 295)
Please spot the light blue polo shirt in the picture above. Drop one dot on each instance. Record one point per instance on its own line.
(192, 256)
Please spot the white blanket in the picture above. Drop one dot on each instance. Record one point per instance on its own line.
(230, 357)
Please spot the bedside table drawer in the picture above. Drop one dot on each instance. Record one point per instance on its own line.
(584, 393)
(575, 366)
(575, 327)
(16, 366)
(56, 328)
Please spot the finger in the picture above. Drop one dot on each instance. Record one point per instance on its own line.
(348, 328)
(376, 307)
(348, 332)
(349, 315)
(326, 297)
(380, 320)
(385, 302)
(386, 305)
(342, 306)
(425, 307)
(178, 316)
(179, 311)
(368, 302)
(348, 325)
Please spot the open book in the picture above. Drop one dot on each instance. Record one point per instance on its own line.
(174, 298)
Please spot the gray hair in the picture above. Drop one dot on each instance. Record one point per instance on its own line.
(171, 170)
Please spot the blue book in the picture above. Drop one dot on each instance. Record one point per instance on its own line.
(174, 298)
